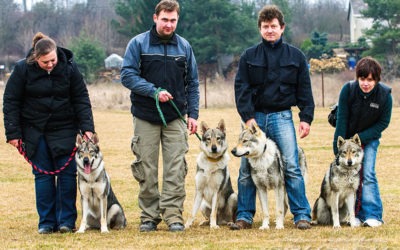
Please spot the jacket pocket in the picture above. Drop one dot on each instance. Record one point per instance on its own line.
(288, 77)
(257, 73)
(137, 166)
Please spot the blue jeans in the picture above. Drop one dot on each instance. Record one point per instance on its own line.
(55, 195)
(371, 203)
(280, 128)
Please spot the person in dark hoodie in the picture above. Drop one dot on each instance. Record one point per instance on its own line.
(45, 105)
(365, 108)
(272, 77)
(160, 61)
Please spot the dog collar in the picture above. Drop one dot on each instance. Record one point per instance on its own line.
(215, 159)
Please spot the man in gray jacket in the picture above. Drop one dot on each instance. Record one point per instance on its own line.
(159, 64)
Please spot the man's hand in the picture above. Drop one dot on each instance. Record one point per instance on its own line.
(192, 125)
(304, 129)
(164, 96)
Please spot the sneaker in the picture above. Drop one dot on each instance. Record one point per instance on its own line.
(240, 224)
(372, 223)
(147, 226)
(65, 229)
(45, 230)
(303, 225)
(176, 227)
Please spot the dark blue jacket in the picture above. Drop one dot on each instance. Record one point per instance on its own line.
(150, 63)
(271, 78)
(367, 114)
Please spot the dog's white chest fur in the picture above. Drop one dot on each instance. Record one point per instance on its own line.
(207, 178)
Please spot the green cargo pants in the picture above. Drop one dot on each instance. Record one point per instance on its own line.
(167, 205)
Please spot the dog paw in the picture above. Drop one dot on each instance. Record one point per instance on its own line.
(214, 226)
(105, 231)
(187, 225)
(80, 231)
(279, 227)
(336, 226)
(264, 227)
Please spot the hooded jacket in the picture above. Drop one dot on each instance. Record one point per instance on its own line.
(55, 105)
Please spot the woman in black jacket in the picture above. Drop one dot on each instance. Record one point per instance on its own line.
(45, 105)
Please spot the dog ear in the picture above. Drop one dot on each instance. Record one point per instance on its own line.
(254, 128)
(340, 141)
(221, 125)
(78, 140)
(95, 138)
(204, 126)
(356, 139)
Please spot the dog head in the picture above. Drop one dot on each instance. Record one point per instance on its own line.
(213, 142)
(350, 151)
(252, 142)
(88, 156)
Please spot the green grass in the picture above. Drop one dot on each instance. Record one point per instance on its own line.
(18, 221)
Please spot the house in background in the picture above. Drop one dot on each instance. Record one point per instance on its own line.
(358, 23)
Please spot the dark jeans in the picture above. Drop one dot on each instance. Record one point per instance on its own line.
(55, 194)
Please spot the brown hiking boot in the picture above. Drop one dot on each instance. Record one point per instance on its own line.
(240, 224)
(303, 225)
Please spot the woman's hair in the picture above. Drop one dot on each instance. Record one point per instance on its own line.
(42, 45)
(368, 65)
(167, 5)
(268, 13)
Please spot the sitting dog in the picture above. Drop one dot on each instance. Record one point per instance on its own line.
(214, 191)
(100, 207)
(267, 170)
(336, 203)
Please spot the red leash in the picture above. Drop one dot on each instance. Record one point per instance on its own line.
(21, 150)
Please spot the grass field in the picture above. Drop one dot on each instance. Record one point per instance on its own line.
(18, 220)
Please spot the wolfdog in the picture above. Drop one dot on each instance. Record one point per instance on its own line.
(100, 207)
(214, 192)
(336, 203)
(267, 170)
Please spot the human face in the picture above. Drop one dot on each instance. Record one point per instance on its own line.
(48, 61)
(271, 31)
(166, 22)
(366, 83)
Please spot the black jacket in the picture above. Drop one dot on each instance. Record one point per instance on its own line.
(55, 105)
(271, 78)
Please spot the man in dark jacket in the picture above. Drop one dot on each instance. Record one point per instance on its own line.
(45, 105)
(160, 64)
(272, 77)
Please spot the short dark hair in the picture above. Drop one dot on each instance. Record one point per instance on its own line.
(368, 65)
(167, 5)
(268, 13)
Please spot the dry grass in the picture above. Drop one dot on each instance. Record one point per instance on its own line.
(18, 223)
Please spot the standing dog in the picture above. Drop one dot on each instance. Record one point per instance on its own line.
(214, 191)
(267, 170)
(100, 207)
(336, 202)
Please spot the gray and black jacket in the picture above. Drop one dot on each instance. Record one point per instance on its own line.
(150, 63)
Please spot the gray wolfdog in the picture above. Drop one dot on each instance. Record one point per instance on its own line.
(336, 203)
(214, 191)
(267, 170)
(100, 207)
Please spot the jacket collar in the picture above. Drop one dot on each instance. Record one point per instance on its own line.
(276, 44)
(155, 38)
